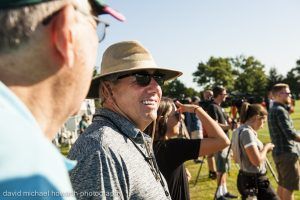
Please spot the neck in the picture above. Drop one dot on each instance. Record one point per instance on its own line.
(113, 106)
(279, 101)
(218, 101)
(252, 125)
(169, 135)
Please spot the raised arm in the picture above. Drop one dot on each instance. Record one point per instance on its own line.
(217, 139)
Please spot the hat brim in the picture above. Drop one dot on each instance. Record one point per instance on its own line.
(94, 88)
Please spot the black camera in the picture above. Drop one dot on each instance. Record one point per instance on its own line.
(237, 99)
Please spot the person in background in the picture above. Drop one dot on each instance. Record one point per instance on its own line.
(207, 100)
(187, 116)
(196, 125)
(172, 152)
(115, 158)
(84, 123)
(286, 140)
(250, 153)
(47, 52)
(269, 100)
(217, 113)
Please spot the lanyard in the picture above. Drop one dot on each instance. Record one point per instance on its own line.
(150, 158)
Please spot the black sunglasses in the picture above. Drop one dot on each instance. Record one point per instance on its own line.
(144, 78)
(177, 115)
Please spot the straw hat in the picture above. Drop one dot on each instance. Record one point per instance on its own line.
(127, 56)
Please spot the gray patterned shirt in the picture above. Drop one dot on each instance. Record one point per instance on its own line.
(282, 131)
(109, 165)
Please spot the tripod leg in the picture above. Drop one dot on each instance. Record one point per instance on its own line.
(272, 170)
(199, 170)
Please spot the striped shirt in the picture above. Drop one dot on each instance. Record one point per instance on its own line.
(109, 165)
(282, 131)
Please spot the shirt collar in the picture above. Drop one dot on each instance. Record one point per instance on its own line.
(10, 101)
(279, 104)
(122, 123)
(70, 164)
(249, 127)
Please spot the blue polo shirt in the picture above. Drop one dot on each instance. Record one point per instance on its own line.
(30, 166)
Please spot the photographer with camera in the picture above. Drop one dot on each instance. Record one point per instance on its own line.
(207, 100)
(218, 114)
(171, 153)
(250, 153)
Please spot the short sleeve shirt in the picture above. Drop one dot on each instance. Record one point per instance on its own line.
(217, 113)
(244, 137)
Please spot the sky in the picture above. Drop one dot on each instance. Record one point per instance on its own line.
(180, 34)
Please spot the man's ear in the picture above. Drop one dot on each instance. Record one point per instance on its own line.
(106, 91)
(63, 34)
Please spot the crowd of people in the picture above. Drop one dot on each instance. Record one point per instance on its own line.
(139, 140)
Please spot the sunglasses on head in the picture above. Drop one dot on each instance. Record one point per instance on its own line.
(144, 78)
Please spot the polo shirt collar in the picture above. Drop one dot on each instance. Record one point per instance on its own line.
(10, 101)
(70, 164)
(122, 123)
(279, 104)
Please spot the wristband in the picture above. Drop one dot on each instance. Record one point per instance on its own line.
(196, 109)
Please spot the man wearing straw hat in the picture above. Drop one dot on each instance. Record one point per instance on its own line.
(115, 158)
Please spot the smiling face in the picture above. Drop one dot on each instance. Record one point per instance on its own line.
(137, 103)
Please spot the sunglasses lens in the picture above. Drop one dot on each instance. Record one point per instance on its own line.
(159, 79)
(143, 79)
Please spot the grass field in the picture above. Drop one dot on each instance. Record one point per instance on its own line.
(205, 188)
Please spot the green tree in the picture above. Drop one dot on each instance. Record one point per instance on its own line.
(293, 80)
(250, 77)
(216, 71)
(190, 92)
(176, 89)
(274, 78)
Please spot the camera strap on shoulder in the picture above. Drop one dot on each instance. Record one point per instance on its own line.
(240, 147)
(253, 177)
(150, 158)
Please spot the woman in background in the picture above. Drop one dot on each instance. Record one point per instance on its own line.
(250, 153)
(172, 152)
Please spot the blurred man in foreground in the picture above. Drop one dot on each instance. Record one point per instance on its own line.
(47, 53)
